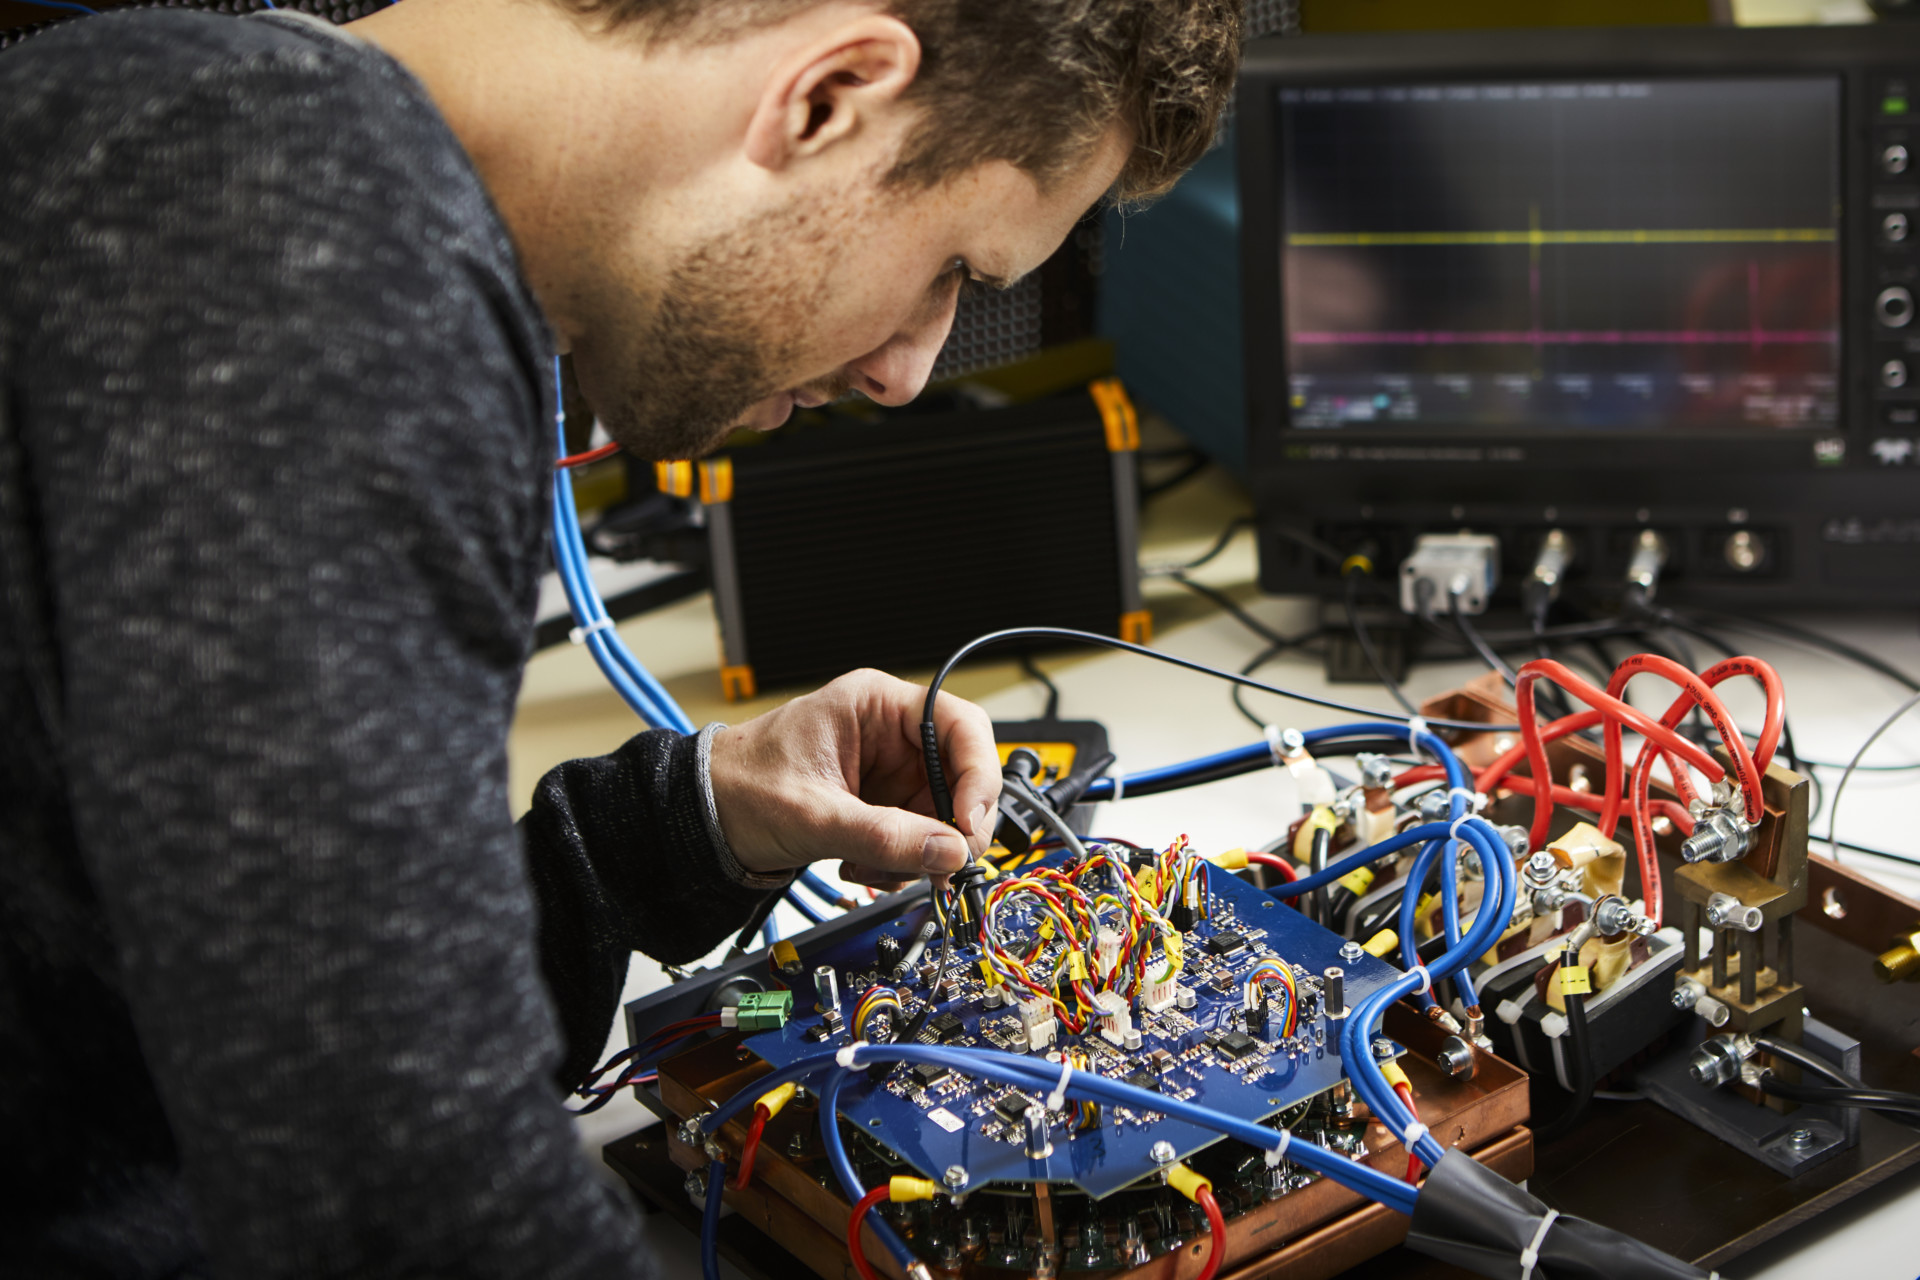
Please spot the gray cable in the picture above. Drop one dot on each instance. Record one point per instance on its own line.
(1833, 811)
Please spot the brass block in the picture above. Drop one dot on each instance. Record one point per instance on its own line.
(1701, 880)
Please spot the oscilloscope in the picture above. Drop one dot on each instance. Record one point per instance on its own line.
(1606, 282)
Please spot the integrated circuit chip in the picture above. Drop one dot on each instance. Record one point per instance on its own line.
(1227, 942)
(1011, 1106)
(945, 1028)
(928, 1074)
(1236, 1045)
(1144, 1080)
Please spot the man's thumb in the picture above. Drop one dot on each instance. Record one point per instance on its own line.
(904, 844)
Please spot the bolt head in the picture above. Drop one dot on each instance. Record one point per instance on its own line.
(1351, 951)
(1162, 1152)
(955, 1177)
(1682, 998)
(1292, 739)
(1542, 866)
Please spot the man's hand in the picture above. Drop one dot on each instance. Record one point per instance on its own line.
(839, 773)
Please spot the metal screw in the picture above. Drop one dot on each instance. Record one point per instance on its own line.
(1800, 1139)
(1293, 740)
(1542, 867)
(697, 1188)
(1384, 1048)
(955, 1177)
(1351, 951)
(1162, 1152)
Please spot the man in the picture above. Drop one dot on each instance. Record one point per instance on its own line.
(284, 991)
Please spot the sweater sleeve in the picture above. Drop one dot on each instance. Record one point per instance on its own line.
(624, 858)
(280, 406)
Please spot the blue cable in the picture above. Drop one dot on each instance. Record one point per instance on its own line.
(710, 1221)
(848, 1176)
(769, 932)
(799, 904)
(819, 888)
(62, 4)
(632, 681)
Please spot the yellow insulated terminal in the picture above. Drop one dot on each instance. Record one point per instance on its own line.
(1358, 881)
(1231, 860)
(774, 1099)
(1187, 1182)
(786, 956)
(901, 1190)
(1382, 942)
(1320, 819)
(1394, 1075)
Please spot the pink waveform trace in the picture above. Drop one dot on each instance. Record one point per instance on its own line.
(1564, 337)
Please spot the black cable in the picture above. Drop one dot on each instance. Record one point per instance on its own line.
(749, 936)
(1229, 606)
(1261, 659)
(1472, 636)
(1053, 690)
(1772, 626)
(1220, 544)
(1903, 1107)
(1580, 1058)
(930, 738)
(1361, 637)
(1197, 463)
(1806, 1061)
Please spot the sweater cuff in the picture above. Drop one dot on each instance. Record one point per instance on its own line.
(722, 851)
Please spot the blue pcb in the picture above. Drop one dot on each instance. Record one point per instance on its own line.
(1201, 1054)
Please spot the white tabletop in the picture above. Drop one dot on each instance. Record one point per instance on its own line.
(1156, 715)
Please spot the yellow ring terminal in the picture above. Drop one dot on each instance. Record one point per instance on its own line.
(1381, 943)
(1356, 561)
(1187, 1182)
(1231, 860)
(1394, 1075)
(1303, 838)
(775, 1099)
(901, 1190)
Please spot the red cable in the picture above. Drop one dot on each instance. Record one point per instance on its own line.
(1413, 1161)
(573, 460)
(854, 1246)
(1697, 693)
(751, 1147)
(1286, 869)
(1218, 1226)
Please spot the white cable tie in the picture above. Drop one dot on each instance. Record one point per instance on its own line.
(1416, 725)
(1414, 1133)
(579, 634)
(1279, 1153)
(1530, 1256)
(845, 1056)
(1475, 801)
(1273, 746)
(1426, 979)
(1058, 1098)
(1119, 784)
(1453, 832)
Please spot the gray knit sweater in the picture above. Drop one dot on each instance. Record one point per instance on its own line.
(283, 991)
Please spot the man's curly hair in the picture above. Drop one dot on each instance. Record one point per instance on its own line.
(1033, 82)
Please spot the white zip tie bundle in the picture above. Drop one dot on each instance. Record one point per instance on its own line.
(1475, 801)
(1273, 746)
(1119, 781)
(1414, 1133)
(1426, 980)
(845, 1056)
(1416, 725)
(1530, 1256)
(1058, 1098)
(1453, 832)
(579, 634)
(1279, 1153)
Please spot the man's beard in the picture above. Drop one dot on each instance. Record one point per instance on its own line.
(724, 333)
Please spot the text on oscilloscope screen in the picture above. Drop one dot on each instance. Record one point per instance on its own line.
(1656, 254)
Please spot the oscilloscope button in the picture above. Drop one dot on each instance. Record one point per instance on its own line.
(1894, 307)
(1894, 228)
(1894, 159)
(1893, 374)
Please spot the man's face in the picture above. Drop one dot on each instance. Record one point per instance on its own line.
(826, 291)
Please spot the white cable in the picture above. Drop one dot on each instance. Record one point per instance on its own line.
(1833, 807)
(1058, 1098)
(1530, 1256)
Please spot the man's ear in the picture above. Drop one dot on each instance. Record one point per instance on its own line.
(829, 89)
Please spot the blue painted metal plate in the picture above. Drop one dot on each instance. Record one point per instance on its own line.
(959, 1121)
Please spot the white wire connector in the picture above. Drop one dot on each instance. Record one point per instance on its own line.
(1058, 1098)
(1279, 1153)
(1426, 980)
(1530, 1256)
(1416, 725)
(1414, 1133)
(845, 1056)
(579, 634)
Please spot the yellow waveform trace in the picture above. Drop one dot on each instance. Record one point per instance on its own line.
(1536, 237)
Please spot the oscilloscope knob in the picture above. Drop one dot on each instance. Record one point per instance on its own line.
(1894, 160)
(1894, 228)
(1893, 374)
(1894, 307)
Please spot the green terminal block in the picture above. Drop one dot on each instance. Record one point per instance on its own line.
(765, 1010)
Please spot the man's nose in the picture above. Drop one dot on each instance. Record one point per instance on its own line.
(896, 371)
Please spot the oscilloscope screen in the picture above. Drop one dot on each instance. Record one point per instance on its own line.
(1582, 254)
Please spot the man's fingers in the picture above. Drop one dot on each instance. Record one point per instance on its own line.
(872, 879)
(972, 765)
(887, 841)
